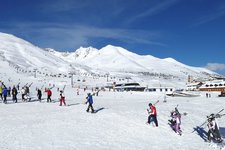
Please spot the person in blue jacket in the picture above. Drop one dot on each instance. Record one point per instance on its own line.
(90, 102)
(4, 93)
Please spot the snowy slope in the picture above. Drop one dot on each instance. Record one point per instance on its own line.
(117, 59)
(26, 55)
(117, 62)
(118, 124)
(120, 119)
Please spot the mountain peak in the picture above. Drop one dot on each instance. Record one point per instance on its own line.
(115, 49)
(83, 52)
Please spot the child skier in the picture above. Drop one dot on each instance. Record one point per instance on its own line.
(62, 98)
(152, 114)
(175, 122)
(90, 102)
(213, 132)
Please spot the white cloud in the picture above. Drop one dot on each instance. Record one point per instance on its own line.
(153, 10)
(216, 66)
(73, 36)
(209, 18)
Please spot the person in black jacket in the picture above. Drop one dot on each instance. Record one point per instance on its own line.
(39, 94)
(14, 94)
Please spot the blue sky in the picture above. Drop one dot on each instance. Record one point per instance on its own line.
(190, 31)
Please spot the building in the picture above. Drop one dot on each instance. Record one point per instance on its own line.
(129, 87)
(214, 85)
(193, 86)
(167, 90)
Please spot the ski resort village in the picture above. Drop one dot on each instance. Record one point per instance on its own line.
(112, 75)
(109, 98)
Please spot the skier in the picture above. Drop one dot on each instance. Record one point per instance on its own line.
(175, 122)
(209, 95)
(49, 94)
(213, 132)
(18, 86)
(23, 93)
(62, 98)
(152, 114)
(14, 94)
(39, 94)
(27, 89)
(90, 102)
(1, 88)
(4, 93)
(9, 91)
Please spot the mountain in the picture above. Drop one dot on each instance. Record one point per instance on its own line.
(119, 60)
(111, 61)
(24, 56)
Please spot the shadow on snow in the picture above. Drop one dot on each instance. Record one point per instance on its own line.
(201, 132)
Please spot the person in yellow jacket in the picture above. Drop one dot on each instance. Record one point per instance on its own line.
(1, 92)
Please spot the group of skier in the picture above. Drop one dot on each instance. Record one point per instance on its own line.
(175, 122)
(25, 95)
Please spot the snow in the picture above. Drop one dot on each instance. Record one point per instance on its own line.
(119, 123)
(119, 59)
(121, 117)
(112, 60)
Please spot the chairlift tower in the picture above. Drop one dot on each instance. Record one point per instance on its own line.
(35, 72)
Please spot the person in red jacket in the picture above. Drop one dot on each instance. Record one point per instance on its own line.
(49, 94)
(152, 114)
(62, 99)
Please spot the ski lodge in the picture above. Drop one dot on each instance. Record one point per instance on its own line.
(167, 90)
(213, 86)
(129, 87)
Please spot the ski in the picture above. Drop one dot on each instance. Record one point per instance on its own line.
(30, 84)
(208, 116)
(64, 88)
(52, 87)
(42, 87)
(156, 102)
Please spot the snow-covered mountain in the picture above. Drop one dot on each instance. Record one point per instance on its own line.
(111, 60)
(40, 125)
(118, 59)
(26, 57)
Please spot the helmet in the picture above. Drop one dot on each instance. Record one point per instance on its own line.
(150, 104)
(211, 117)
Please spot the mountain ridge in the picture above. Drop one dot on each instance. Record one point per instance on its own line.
(110, 59)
